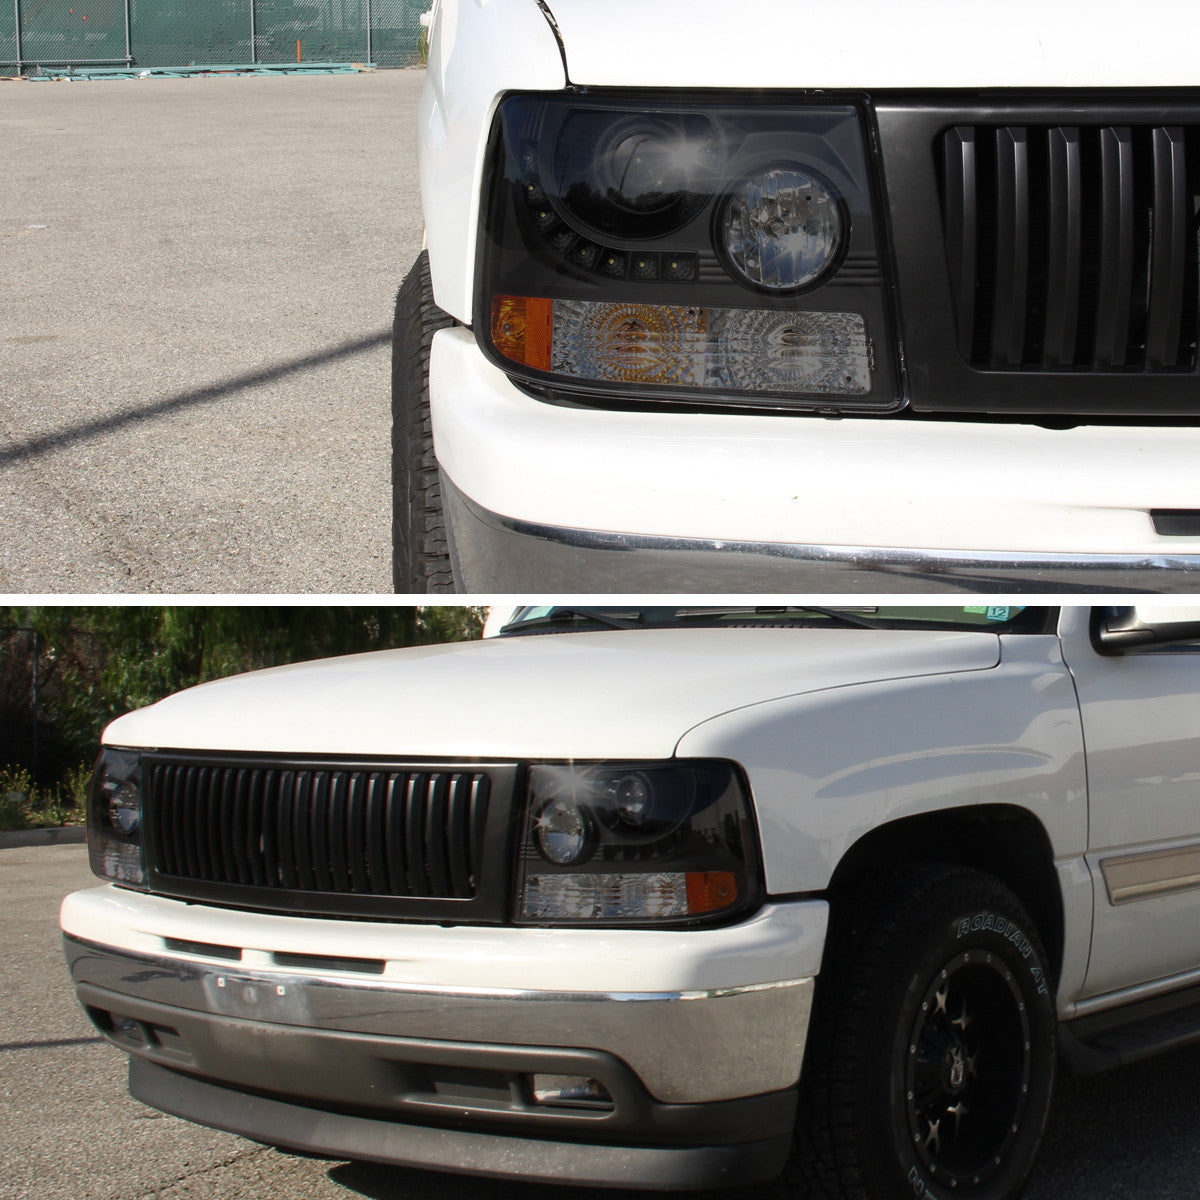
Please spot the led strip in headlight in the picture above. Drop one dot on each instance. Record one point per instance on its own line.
(664, 249)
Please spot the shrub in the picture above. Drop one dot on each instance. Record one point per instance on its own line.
(23, 805)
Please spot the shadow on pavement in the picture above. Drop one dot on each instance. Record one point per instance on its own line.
(47, 443)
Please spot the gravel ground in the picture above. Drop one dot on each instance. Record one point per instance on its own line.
(199, 277)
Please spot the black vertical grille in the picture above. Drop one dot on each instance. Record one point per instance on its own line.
(316, 829)
(1073, 247)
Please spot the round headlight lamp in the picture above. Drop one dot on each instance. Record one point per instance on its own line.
(781, 229)
(563, 833)
(124, 809)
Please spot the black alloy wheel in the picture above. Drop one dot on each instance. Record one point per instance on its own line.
(968, 1070)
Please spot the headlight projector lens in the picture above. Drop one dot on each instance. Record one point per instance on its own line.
(646, 166)
(781, 230)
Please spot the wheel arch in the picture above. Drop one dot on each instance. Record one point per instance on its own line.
(1003, 840)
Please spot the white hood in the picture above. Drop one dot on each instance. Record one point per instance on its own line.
(571, 695)
(875, 44)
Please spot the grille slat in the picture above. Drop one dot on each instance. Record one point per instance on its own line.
(414, 844)
(1072, 247)
(460, 845)
(1115, 283)
(286, 860)
(335, 828)
(191, 835)
(435, 837)
(478, 821)
(241, 836)
(1168, 253)
(1065, 227)
(318, 825)
(372, 831)
(1012, 247)
(225, 801)
(258, 792)
(377, 834)
(394, 834)
(357, 833)
(961, 229)
(301, 833)
(270, 830)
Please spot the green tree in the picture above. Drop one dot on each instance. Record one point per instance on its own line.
(94, 663)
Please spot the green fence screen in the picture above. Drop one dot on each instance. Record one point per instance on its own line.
(181, 33)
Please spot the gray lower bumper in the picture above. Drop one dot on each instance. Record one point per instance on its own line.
(340, 1068)
(354, 1136)
(493, 553)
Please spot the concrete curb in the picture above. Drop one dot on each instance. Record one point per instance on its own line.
(59, 835)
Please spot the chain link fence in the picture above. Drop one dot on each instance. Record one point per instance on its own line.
(181, 33)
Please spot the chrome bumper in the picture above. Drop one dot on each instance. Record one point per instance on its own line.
(703, 1077)
(493, 553)
(753, 1037)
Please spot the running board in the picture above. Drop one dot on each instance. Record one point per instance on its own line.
(1130, 1033)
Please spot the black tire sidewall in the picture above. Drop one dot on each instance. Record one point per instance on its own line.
(420, 554)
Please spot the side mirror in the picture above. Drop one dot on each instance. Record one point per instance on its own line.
(1119, 630)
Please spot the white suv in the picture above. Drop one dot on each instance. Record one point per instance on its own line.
(862, 297)
(661, 896)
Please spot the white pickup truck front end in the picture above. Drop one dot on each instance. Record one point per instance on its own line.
(911, 306)
(660, 896)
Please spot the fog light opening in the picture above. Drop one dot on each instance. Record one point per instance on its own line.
(120, 1027)
(570, 1091)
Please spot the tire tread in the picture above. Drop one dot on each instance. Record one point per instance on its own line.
(420, 547)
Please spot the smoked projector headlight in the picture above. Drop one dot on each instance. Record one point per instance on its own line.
(114, 818)
(636, 844)
(669, 251)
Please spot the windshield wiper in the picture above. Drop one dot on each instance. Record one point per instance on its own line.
(850, 620)
(563, 616)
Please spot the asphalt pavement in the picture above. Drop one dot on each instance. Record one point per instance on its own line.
(198, 280)
(68, 1131)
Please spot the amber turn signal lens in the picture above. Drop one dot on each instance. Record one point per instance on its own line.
(521, 327)
(708, 891)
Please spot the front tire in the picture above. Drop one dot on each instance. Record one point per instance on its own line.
(932, 1052)
(420, 547)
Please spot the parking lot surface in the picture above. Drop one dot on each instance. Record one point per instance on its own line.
(198, 279)
(69, 1132)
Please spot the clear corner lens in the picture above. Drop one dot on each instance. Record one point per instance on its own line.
(635, 175)
(781, 229)
(768, 351)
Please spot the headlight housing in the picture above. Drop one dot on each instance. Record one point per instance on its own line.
(636, 844)
(669, 250)
(114, 818)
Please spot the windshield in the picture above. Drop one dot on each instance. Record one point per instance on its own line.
(566, 618)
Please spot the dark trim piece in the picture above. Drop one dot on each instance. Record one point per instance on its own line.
(502, 554)
(1176, 522)
(1130, 1033)
(344, 1135)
